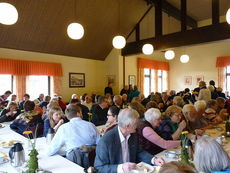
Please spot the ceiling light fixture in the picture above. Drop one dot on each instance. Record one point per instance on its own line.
(8, 14)
(184, 58)
(147, 49)
(119, 41)
(169, 54)
(75, 30)
(228, 16)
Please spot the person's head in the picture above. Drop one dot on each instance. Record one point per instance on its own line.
(112, 114)
(26, 97)
(155, 98)
(124, 97)
(135, 87)
(211, 82)
(41, 96)
(136, 99)
(212, 104)
(209, 156)
(200, 106)
(153, 116)
(110, 84)
(13, 97)
(117, 99)
(74, 101)
(12, 106)
(74, 96)
(219, 90)
(88, 99)
(220, 102)
(174, 112)
(47, 98)
(151, 104)
(178, 100)
(7, 93)
(96, 98)
(29, 106)
(187, 90)
(73, 111)
(202, 84)
(52, 104)
(189, 112)
(55, 115)
(176, 167)
(103, 102)
(172, 92)
(164, 96)
(128, 120)
(211, 88)
(83, 97)
(138, 107)
(141, 96)
(126, 87)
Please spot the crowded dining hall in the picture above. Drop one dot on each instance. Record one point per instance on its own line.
(115, 86)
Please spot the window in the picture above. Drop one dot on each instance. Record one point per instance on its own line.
(37, 85)
(228, 78)
(6, 83)
(150, 81)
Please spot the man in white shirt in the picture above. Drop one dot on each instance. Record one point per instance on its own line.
(118, 150)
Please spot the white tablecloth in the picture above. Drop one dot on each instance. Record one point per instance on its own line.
(56, 163)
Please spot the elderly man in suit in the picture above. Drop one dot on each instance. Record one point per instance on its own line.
(118, 150)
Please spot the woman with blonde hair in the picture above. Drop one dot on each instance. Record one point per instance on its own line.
(9, 113)
(139, 108)
(55, 119)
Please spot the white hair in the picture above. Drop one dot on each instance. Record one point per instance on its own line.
(177, 100)
(74, 95)
(152, 114)
(127, 116)
(209, 156)
(200, 105)
(187, 108)
(116, 97)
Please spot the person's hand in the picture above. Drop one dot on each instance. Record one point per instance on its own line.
(199, 132)
(182, 124)
(128, 166)
(159, 161)
(61, 121)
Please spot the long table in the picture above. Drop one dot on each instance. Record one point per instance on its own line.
(55, 164)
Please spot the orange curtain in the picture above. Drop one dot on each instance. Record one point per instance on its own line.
(223, 61)
(20, 82)
(140, 80)
(57, 85)
(25, 68)
(153, 64)
(222, 78)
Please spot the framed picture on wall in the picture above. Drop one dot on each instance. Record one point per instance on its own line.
(76, 80)
(188, 80)
(111, 79)
(199, 78)
(132, 80)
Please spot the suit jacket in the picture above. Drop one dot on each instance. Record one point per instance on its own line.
(109, 152)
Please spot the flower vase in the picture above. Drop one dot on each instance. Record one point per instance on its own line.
(33, 161)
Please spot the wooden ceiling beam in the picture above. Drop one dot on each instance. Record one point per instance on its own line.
(158, 18)
(183, 15)
(215, 12)
(174, 12)
(204, 34)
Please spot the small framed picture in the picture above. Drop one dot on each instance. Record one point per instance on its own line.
(199, 78)
(188, 80)
(132, 80)
(111, 79)
(76, 80)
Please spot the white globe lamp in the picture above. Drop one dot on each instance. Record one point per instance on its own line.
(184, 58)
(119, 42)
(169, 54)
(147, 49)
(228, 16)
(75, 31)
(8, 14)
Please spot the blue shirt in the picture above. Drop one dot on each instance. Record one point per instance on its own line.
(74, 134)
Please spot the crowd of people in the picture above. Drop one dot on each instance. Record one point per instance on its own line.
(136, 127)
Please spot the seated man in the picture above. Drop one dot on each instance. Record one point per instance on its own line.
(74, 134)
(118, 150)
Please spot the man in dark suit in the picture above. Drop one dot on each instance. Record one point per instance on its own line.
(109, 89)
(118, 150)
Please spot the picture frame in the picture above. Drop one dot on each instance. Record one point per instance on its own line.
(188, 80)
(111, 79)
(132, 80)
(76, 80)
(199, 78)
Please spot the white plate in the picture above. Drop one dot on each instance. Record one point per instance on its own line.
(140, 170)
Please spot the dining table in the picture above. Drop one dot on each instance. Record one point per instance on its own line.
(54, 164)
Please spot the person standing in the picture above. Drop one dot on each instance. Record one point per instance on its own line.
(109, 89)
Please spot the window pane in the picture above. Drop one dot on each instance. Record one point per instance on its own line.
(5, 83)
(146, 71)
(159, 84)
(146, 86)
(228, 69)
(228, 83)
(153, 88)
(164, 87)
(37, 85)
(159, 73)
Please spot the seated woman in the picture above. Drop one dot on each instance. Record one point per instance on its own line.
(10, 113)
(28, 120)
(138, 107)
(149, 140)
(176, 167)
(55, 119)
(210, 112)
(112, 118)
(210, 157)
(171, 128)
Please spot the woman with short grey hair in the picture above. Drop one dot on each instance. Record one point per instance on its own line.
(177, 100)
(148, 138)
(210, 156)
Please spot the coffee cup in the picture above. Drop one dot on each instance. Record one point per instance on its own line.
(171, 154)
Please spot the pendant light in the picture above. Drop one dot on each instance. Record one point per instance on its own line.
(119, 41)
(75, 30)
(8, 14)
(228, 16)
(184, 58)
(147, 48)
(169, 54)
